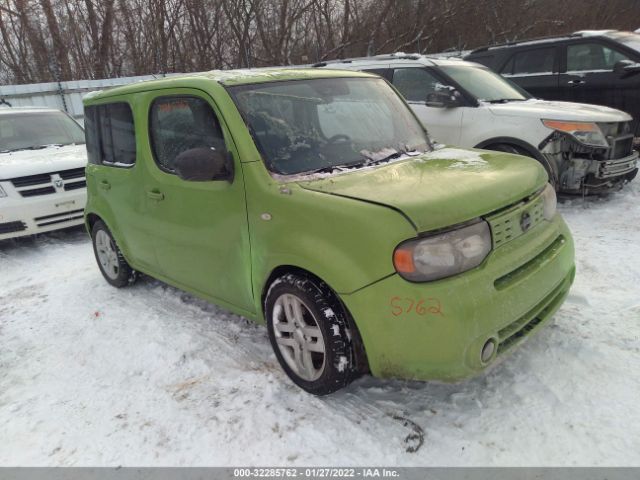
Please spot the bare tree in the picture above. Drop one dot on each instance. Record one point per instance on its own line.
(48, 40)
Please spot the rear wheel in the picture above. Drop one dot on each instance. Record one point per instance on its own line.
(308, 330)
(113, 266)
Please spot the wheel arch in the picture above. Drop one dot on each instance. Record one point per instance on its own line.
(361, 355)
(526, 147)
(90, 220)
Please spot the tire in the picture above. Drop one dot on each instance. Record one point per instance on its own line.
(113, 266)
(319, 352)
(508, 148)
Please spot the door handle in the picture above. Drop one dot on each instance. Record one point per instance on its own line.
(576, 82)
(155, 195)
(104, 185)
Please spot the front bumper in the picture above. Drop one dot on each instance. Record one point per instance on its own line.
(436, 330)
(21, 216)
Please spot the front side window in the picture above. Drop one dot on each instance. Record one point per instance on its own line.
(310, 125)
(110, 134)
(537, 61)
(484, 84)
(415, 84)
(25, 131)
(592, 56)
(181, 123)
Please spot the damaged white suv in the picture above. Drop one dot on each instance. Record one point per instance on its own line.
(584, 148)
(42, 180)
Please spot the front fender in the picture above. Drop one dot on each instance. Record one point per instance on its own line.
(347, 243)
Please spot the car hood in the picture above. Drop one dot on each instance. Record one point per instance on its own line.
(45, 160)
(559, 111)
(440, 188)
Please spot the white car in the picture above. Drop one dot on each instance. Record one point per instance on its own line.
(584, 148)
(42, 179)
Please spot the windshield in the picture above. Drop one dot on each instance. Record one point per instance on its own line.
(631, 40)
(484, 84)
(323, 124)
(22, 131)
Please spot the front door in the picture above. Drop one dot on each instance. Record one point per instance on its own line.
(415, 84)
(589, 77)
(201, 236)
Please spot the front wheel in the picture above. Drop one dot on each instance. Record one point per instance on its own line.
(309, 333)
(113, 266)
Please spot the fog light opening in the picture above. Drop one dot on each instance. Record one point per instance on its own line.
(488, 350)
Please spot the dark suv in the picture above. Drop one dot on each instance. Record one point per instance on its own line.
(599, 67)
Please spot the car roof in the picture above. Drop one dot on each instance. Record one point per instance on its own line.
(6, 110)
(550, 39)
(416, 59)
(227, 78)
(447, 58)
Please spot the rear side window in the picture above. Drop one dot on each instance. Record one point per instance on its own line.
(537, 61)
(415, 83)
(178, 124)
(592, 56)
(110, 134)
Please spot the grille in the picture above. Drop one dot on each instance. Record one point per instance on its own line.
(505, 226)
(59, 217)
(69, 174)
(516, 331)
(44, 182)
(75, 185)
(532, 265)
(31, 180)
(34, 192)
(622, 147)
(10, 227)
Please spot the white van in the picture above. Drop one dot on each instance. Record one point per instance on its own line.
(42, 178)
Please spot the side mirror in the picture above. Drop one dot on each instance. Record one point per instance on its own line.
(443, 99)
(204, 164)
(624, 68)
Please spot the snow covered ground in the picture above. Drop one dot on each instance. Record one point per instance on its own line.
(91, 375)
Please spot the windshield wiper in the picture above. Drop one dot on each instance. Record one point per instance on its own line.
(368, 161)
(397, 154)
(504, 100)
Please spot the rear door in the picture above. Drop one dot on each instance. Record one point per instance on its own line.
(201, 236)
(415, 84)
(536, 70)
(113, 176)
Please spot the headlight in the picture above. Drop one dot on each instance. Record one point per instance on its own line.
(549, 201)
(444, 254)
(587, 133)
(2, 192)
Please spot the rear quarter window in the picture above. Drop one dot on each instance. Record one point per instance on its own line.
(110, 134)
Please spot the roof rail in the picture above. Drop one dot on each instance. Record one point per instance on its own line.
(540, 39)
(387, 56)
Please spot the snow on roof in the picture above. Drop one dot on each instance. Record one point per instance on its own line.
(593, 33)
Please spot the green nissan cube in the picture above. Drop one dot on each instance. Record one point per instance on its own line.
(314, 201)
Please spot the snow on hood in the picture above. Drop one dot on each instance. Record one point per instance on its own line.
(440, 188)
(559, 111)
(49, 159)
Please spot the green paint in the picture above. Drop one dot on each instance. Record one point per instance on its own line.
(213, 238)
